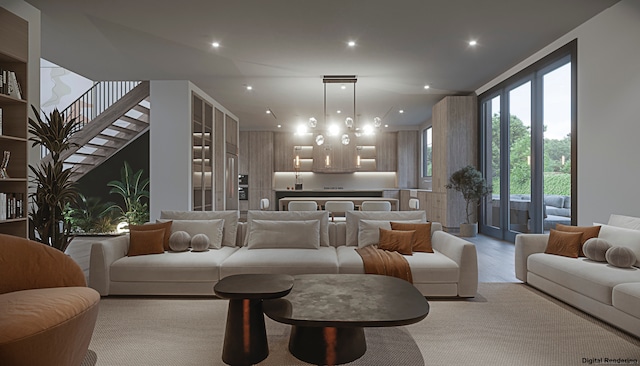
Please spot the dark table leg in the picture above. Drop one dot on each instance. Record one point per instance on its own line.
(327, 345)
(245, 338)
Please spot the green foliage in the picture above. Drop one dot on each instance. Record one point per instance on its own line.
(557, 183)
(133, 189)
(519, 153)
(54, 188)
(90, 215)
(470, 182)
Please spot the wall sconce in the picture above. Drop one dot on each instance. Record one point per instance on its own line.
(358, 159)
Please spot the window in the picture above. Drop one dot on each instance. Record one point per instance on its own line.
(527, 123)
(427, 152)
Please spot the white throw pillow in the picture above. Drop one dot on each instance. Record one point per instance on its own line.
(230, 221)
(284, 234)
(213, 229)
(323, 216)
(369, 230)
(353, 218)
(622, 237)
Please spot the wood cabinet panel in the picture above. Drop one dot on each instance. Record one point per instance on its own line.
(14, 45)
(407, 159)
(455, 145)
(387, 151)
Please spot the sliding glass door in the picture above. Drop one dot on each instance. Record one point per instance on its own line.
(527, 123)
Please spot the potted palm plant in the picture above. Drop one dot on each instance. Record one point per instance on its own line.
(470, 182)
(54, 188)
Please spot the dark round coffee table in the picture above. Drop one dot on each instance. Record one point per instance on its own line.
(245, 337)
(328, 313)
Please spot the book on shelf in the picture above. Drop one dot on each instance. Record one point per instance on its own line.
(9, 84)
(0, 121)
(11, 206)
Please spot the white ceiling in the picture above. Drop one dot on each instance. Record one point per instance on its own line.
(283, 48)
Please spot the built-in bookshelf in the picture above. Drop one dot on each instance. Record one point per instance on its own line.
(14, 52)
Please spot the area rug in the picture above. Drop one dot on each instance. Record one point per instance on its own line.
(506, 324)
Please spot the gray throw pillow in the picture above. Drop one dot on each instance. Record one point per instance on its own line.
(200, 243)
(595, 249)
(620, 257)
(179, 241)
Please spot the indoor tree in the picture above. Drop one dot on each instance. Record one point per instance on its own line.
(54, 188)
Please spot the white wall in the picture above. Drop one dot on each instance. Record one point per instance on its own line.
(170, 153)
(60, 87)
(608, 111)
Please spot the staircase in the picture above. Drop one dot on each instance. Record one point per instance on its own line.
(111, 114)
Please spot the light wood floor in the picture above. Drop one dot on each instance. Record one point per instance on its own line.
(495, 257)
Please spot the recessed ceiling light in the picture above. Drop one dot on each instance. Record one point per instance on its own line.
(343, 87)
(386, 125)
(268, 111)
(401, 111)
(352, 43)
(338, 111)
(279, 126)
(426, 86)
(249, 87)
(473, 42)
(215, 44)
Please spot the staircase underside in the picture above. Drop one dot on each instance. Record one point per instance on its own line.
(109, 132)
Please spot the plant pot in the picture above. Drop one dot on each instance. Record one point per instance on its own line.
(469, 230)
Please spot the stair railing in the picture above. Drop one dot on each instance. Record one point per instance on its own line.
(93, 102)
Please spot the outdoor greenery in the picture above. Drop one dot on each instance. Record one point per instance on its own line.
(54, 189)
(470, 182)
(557, 176)
(90, 215)
(133, 190)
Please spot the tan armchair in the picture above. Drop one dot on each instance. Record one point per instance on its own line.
(47, 314)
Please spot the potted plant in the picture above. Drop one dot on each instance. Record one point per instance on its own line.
(133, 190)
(54, 189)
(470, 182)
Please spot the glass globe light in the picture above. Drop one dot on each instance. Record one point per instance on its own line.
(345, 139)
(358, 133)
(319, 140)
(377, 122)
(349, 122)
(313, 122)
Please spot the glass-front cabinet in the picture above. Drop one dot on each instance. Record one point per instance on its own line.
(202, 146)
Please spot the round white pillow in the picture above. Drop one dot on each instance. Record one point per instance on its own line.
(595, 249)
(200, 243)
(179, 241)
(621, 257)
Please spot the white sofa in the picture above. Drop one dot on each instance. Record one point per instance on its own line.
(598, 288)
(450, 271)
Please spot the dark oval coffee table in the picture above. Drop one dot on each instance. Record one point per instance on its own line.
(328, 313)
(245, 336)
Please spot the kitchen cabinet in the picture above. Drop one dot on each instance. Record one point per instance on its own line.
(202, 146)
(386, 144)
(334, 158)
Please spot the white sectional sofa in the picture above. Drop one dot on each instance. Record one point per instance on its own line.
(450, 271)
(598, 288)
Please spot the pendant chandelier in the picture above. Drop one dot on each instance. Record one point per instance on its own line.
(349, 121)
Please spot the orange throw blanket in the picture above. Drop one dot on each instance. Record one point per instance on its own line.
(382, 262)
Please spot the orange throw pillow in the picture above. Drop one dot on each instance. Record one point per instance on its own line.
(588, 232)
(146, 242)
(160, 225)
(564, 243)
(396, 241)
(422, 237)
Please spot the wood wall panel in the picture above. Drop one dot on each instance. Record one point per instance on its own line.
(407, 159)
